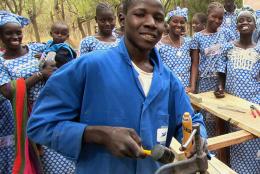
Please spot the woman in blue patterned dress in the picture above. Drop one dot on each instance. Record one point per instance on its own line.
(174, 49)
(242, 59)
(206, 54)
(104, 39)
(18, 61)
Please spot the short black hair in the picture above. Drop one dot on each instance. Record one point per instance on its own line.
(202, 17)
(126, 4)
(214, 5)
(103, 6)
(59, 23)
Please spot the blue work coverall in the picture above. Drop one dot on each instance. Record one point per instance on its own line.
(102, 88)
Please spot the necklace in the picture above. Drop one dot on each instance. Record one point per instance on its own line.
(177, 45)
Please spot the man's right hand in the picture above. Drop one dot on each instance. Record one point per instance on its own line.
(121, 142)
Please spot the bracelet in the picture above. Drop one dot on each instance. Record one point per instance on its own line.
(39, 75)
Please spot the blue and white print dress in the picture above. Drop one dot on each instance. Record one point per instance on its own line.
(230, 22)
(177, 59)
(25, 66)
(243, 80)
(7, 144)
(210, 62)
(91, 43)
(209, 46)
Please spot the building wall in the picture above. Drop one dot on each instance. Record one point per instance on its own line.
(255, 4)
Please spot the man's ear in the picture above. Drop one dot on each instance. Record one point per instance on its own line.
(121, 17)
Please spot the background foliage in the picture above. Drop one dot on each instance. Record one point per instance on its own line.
(79, 14)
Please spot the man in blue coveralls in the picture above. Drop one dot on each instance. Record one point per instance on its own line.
(101, 109)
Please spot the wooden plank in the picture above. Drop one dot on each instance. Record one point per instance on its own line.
(175, 146)
(214, 165)
(241, 117)
(218, 167)
(226, 140)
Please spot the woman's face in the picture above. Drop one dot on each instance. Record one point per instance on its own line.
(106, 22)
(215, 18)
(11, 35)
(246, 23)
(197, 26)
(176, 25)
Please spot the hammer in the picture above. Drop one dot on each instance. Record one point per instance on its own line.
(198, 163)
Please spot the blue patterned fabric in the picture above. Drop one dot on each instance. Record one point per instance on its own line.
(54, 163)
(7, 17)
(243, 157)
(7, 144)
(177, 59)
(230, 22)
(177, 12)
(243, 72)
(209, 46)
(91, 43)
(25, 66)
(243, 80)
(37, 47)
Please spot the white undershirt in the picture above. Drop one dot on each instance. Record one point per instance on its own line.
(145, 79)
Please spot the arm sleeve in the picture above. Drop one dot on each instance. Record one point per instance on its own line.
(37, 47)
(181, 104)
(194, 42)
(84, 46)
(52, 122)
(4, 74)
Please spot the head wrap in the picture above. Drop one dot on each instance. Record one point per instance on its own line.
(57, 47)
(177, 12)
(246, 9)
(7, 17)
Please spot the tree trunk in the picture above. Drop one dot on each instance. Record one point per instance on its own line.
(36, 30)
(81, 29)
(89, 28)
(32, 15)
(62, 10)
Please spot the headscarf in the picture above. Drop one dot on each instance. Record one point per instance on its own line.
(56, 47)
(246, 9)
(177, 12)
(7, 17)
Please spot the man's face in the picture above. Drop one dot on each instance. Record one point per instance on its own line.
(229, 5)
(144, 23)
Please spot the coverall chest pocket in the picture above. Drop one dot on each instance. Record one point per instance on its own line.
(162, 129)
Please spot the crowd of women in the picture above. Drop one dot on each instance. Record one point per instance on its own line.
(221, 56)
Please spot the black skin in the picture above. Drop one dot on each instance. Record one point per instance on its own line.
(11, 36)
(106, 22)
(229, 5)
(174, 38)
(197, 26)
(245, 42)
(120, 17)
(215, 18)
(59, 32)
(143, 17)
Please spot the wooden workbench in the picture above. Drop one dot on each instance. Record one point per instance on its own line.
(215, 166)
(245, 121)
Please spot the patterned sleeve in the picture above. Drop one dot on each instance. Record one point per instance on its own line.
(222, 62)
(85, 46)
(194, 42)
(258, 48)
(4, 74)
(229, 35)
(37, 47)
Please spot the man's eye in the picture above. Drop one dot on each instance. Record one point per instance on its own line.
(139, 14)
